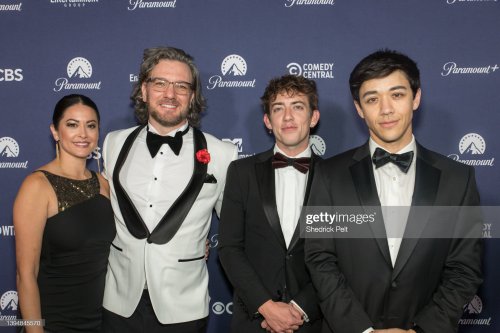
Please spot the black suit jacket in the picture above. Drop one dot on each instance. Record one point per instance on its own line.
(252, 248)
(432, 278)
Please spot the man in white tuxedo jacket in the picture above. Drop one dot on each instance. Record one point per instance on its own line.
(166, 177)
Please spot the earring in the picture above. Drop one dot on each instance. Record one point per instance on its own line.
(270, 131)
(97, 156)
(57, 149)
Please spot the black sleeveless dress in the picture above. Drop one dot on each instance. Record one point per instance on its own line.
(74, 256)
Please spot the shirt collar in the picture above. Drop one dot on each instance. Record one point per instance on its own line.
(152, 129)
(305, 153)
(412, 146)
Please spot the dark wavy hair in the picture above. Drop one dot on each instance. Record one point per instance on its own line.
(69, 100)
(151, 58)
(381, 64)
(289, 84)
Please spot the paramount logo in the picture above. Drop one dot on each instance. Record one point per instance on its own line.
(470, 146)
(290, 3)
(452, 68)
(145, 4)
(9, 149)
(78, 69)
(11, 7)
(232, 66)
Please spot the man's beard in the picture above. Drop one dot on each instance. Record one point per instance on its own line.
(170, 121)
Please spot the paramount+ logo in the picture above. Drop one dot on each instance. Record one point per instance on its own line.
(11, 74)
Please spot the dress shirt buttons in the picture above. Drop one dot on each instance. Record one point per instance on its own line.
(150, 205)
(156, 178)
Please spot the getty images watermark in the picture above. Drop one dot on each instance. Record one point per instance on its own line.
(398, 221)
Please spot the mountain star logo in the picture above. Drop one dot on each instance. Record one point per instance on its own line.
(475, 306)
(233, 65)
(318, 145)
(472, 143)
(8, 147)
(79, 68)
(9, 301)
(471, 146)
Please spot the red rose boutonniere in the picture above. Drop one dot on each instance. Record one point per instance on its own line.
(203, 156)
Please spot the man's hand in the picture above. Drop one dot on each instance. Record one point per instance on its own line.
(280, 317)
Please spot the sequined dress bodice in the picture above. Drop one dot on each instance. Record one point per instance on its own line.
(74, 256)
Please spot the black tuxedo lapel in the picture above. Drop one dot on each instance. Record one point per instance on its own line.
(264, 173)
(131, 217)
(426, 186)
(173, 218)
(296, 234)
(364, 181)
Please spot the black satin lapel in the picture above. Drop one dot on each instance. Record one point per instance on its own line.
(426, 186)
(131, 216)
(173, 218)
(364, 181)
(296, 234)
(265, 182)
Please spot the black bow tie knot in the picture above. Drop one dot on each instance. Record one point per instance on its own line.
(155, 141)
(402, 161)
(281, 161)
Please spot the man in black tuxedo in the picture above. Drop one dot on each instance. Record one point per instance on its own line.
(259, 244)
(393, 283)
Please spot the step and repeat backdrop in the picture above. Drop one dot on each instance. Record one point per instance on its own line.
(51, 48)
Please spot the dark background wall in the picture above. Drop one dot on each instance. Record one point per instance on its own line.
(455, 42)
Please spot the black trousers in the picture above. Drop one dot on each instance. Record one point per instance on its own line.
(144, 320)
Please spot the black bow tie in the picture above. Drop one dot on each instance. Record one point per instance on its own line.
(281, 161)
(154, 142)
(402, 161)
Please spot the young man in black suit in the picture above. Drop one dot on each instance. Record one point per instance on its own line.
(392, 283)
(259, 244)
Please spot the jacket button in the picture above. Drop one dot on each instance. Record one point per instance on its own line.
(394, 284)
(149, 241)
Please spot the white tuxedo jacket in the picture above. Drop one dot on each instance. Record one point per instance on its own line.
(171, 257)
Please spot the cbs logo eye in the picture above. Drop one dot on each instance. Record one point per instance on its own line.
(219, 308)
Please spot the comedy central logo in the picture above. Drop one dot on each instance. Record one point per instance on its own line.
(311, 70)
(78, 69)
(233, 67)
(470, 146)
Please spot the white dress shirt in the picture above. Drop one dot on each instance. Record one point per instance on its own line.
(290, 187)
(153, 184)
(395, 192)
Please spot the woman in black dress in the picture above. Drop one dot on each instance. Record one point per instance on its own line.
(64, 227)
